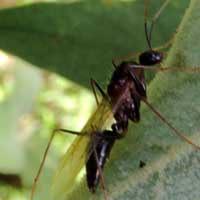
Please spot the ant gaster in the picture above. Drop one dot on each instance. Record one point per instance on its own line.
(100, 147)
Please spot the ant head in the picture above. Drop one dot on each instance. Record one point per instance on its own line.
(150, 57)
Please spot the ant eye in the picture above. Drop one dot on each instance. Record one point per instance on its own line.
(150, 58)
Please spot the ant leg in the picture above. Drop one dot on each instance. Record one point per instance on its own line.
(95, 84)
(114, 62)
(162, 69)
(166, 44)
(45, 156)
(155, 17)
(163, 119)
(92, 83)
(158, 13)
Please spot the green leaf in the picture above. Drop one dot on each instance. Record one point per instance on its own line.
(173, 169)
(78, 40)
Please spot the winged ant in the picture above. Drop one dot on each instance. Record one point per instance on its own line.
(125, 92)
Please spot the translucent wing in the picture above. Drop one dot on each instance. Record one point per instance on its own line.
(75, 157)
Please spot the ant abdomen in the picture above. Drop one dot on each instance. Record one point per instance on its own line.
(150, 57)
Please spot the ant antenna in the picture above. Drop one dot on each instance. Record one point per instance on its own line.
(146, 2)
(155, 17)
(45, 156)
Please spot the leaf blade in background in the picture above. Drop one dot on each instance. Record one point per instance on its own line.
(70, 39)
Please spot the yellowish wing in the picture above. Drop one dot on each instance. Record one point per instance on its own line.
(75, 157)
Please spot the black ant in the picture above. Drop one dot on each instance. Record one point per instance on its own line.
(124, 93)
(127, 86)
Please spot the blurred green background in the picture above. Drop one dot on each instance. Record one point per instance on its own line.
(70, 41)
